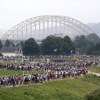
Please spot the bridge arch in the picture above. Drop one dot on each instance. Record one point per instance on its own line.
(51, 25)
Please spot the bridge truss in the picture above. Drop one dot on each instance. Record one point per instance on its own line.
(42, 26)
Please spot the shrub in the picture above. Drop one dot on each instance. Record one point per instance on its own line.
(95, 95)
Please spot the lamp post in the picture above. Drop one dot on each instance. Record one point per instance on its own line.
(15, 43)
(78, 54)
(71, 52)
(55, 50)
(71, 55)
(22, 59)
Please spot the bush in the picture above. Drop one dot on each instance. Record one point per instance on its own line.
(1, 54)
(95, 95)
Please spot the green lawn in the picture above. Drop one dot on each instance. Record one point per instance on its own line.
(15, 72)
(94, 69)
(68, 89)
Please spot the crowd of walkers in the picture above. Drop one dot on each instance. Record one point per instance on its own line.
(41, 78)
(49, 66)
(52, 71)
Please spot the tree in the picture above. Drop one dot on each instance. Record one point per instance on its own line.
(96, 49)
(20, 43)
(93, 38)
(30, 47)
(81, 44)
(8, 43)
(52, 45)
(1, 45)
(90, 49)
(68, 45)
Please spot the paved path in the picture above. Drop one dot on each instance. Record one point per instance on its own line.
(98, 74)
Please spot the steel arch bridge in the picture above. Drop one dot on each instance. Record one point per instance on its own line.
(42, 26)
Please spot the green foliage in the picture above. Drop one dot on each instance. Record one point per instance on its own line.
(61, 45)
(93, 38)
(1, 54)
(81, 44)
(8, 43)
(30, 47)
(95, 95)
(50, 44)
(90, 49)
(20, 44)
(94, 49)
(1, 45)
(68, 45)
(89, 45)
(53, 45)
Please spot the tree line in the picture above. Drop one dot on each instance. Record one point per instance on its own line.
(53, 45)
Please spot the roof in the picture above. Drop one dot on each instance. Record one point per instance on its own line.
(9, 49)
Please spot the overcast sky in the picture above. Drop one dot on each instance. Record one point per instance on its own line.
(13, 12)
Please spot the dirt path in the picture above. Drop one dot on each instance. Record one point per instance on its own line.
(98, 74)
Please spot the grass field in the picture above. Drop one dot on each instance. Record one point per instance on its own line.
(94, 69)
(15, 72)
(68, 89)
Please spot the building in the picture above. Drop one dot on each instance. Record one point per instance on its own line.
(11, 51)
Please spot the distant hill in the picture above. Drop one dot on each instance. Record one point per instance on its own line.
(95, 27)
(91, 24)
